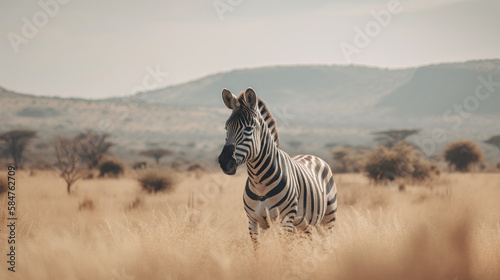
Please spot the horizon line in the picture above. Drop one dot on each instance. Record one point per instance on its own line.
(251, 68)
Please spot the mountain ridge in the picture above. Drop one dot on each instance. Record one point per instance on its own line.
(318, 105)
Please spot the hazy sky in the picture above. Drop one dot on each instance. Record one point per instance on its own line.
(101, 48)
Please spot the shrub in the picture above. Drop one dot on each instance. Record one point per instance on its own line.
(498, 165)
(422, 169)
(41, 165)
(177, 164)
(86, 204)
(111, 168)
(197, 168)
(435, 169)
(340, 157)
(3, 185)
(153, 181)
(140, 165)
(347, 160)
(462, 154)
(136, 203)
(400, 161)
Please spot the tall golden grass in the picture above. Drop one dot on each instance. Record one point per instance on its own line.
(446, 229)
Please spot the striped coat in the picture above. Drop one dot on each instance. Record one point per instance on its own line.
(298, 192)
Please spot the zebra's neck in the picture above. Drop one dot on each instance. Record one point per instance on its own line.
(264, 170)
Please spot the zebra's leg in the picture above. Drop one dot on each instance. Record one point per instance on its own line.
(253, 229)
(255, 242)
(287, 235)
(287, 222)
(288, 227)
(331, 210)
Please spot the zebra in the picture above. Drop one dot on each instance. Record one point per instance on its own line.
(298, 192)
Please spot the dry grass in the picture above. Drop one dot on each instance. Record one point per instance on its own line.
(449, 231)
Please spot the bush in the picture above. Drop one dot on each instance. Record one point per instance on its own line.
(111, 168)
(153, 181)
(177, 164)
(86, 204)
(140, 165)
(197, 168)
(347, 160)
(136, 203)
(462, 154)
(4, 186)
(400, 161)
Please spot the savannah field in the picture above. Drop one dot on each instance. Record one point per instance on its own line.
(447, 228)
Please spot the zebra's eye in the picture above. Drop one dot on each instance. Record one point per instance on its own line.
(248, 128)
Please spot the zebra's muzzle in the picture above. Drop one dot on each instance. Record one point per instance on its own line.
(226, 160)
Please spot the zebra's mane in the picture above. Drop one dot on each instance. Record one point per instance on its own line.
(270, 121)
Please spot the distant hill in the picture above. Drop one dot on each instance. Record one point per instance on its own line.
(323, 93)
(434, 89)
(316, 106)
(335, 95)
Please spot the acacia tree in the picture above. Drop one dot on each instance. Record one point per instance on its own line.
(92, 146)
(15, 144)
(157, 154)
(494, 140)
(461, 154)
(391, 137)
(68, 161)
(341, 156)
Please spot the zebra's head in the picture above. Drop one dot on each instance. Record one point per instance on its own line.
(243, 130)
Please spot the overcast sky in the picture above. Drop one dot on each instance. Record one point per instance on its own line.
(102, 48)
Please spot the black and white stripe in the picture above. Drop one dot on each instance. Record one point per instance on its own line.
(299, 192)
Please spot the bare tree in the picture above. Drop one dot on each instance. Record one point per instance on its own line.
(69, 163)
(93, 146)
(15, 144)
(157, 154)
(494, 140)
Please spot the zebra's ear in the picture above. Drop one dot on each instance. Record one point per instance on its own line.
(251, 98)
(230, 100)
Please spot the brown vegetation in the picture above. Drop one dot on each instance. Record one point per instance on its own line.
(197, 168)
(111, 168)
(68, 161)
(92, 146)
(448, 232)
(462, 154)
(156, 180)
(86, 204)
(390, 137)
(4, 186)
(157, 154)
(401, 161)
(139, 165)
(348, 160)
(15, 144)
